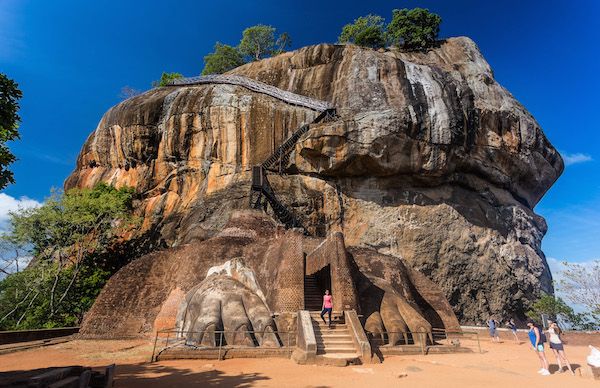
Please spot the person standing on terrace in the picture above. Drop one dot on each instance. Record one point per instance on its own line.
(327, 307)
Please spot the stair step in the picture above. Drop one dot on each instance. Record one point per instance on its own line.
(332, 347)
(326, 344)
(339, 355)
(327, 330)
(334, 334)
(334, 323)
(340, 349)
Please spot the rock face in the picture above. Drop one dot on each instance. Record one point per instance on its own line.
(430, 160)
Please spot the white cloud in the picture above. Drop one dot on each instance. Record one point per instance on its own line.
(571, 159)
(8, 204)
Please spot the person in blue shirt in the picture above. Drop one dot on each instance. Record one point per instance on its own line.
(513, 328)
(493, 326)
(537, 339)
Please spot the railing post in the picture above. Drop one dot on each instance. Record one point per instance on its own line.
(478, 344)
(154, 348)
(220, 344)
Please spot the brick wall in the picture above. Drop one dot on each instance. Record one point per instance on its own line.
(290, 279)
(333, 252)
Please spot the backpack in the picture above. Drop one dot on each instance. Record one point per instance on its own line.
(542, 337)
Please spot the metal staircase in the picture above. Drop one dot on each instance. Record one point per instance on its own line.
(261, 191)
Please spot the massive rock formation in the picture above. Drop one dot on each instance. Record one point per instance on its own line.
(430, 160)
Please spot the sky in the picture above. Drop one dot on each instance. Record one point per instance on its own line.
(71, 58)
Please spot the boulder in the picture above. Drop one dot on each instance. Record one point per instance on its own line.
(430, 160)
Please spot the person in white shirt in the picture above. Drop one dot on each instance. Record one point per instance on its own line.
(556, 344)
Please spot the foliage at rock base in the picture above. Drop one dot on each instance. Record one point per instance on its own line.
(68, 237)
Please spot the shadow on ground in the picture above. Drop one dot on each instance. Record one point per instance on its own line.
(154, 375)
(553, 368)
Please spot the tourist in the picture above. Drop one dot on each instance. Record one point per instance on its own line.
(327, 307)
(493, 326)
(556, 344)
(537, 339)
(513, 328)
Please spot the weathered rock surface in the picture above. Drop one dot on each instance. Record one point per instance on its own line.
(431, 160)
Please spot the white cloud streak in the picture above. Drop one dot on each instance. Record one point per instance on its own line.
(571, 159)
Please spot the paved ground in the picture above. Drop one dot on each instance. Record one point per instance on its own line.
(506, 365)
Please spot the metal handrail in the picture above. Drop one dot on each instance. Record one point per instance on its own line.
(221, 333)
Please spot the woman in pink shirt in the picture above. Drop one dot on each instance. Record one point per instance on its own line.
(327, 307)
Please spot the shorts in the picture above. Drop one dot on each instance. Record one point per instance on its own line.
(556, 346)
(493, 333)
(540, 348)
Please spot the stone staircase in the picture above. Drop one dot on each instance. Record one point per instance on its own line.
(335, 342)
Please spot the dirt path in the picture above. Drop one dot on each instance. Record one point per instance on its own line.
(501, 365)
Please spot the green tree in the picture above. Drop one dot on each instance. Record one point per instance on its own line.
(416, 28)
(9, 125)
(551, 306)
(258, 42)
(367, 31)
(283, 43)
(165, 79)
(223, 59)
(66, 237)
(557, 309)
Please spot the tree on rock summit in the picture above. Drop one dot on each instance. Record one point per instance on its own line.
(223, 59)
(259, 42)
(368, 31)
(416, 28)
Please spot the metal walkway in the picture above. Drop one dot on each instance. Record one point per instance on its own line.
(255, 86)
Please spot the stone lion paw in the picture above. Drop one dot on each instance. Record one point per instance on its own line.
(393, 314)
(228, 300)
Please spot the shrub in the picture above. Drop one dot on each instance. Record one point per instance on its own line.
(165, 79)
